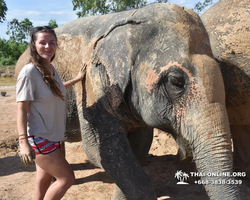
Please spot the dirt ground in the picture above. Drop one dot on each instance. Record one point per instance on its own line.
(17, 180)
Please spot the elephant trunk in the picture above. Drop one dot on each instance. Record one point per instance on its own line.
(212, 151)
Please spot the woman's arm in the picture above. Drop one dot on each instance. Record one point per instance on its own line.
(22, 118)
(26, 152)
(72, 82)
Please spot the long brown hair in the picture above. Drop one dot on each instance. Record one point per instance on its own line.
(36, 60)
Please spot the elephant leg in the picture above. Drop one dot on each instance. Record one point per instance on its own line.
(241, 140)
(109, 148)
(140, 142)
(119, 161)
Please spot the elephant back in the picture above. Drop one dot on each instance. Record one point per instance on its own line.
(229, 31)
(227, 24)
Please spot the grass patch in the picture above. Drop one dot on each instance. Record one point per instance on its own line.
(7, 81)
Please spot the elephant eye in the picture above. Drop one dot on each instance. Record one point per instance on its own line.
(177, 81)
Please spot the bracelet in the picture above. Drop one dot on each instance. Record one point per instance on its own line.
(23, 138)
(22, 135)
(71, 83)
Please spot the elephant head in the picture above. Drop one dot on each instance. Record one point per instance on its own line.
(148, 68)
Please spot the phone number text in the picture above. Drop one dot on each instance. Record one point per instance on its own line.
(219, 182)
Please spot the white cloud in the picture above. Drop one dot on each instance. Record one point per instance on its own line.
(20, 14)
(182, 2)
(62, 12)
(32, 13)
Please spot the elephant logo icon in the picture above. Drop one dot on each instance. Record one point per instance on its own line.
(181, 176)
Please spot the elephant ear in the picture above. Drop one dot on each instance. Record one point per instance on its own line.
(112, 50)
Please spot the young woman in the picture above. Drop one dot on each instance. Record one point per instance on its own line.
(41, 116)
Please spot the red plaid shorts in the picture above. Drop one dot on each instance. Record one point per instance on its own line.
(43, 146)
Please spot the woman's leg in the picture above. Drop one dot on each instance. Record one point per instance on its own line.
(55, 164)
(43, 181)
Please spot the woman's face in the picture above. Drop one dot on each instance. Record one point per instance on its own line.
(46, 45)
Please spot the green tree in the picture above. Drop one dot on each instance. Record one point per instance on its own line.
(3, 47)
(53, 23)
(3, 10)
(19, 31)
(201, 5)
(10, 51)
(100, 7)
(161, 1)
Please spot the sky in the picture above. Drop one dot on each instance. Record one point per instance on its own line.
(40, 12)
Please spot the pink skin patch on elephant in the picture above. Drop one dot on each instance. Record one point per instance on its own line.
(153, 77)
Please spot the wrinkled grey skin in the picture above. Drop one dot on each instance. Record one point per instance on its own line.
(230, 42)
(150, 68)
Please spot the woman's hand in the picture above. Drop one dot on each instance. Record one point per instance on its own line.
(78, 78)
(26, 154)
(81, 73)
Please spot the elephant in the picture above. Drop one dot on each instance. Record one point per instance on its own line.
(230, 42)
(148, 68)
